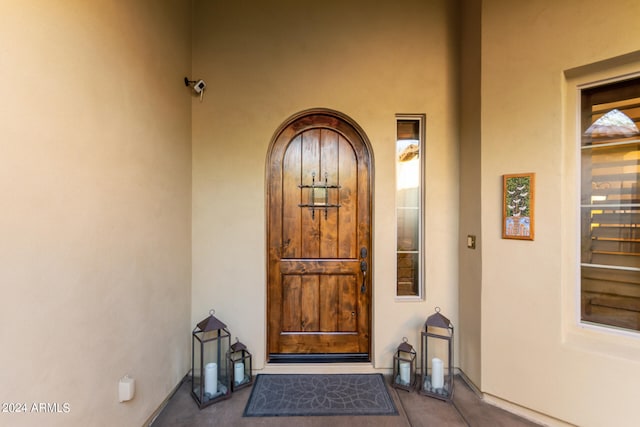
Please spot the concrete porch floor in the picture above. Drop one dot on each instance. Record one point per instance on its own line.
(415, 410)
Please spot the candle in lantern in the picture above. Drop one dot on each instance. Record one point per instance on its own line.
(437, 373)
(405, 372)
(238, 373)
(211, 378)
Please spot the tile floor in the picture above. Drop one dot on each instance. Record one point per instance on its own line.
(415, 410)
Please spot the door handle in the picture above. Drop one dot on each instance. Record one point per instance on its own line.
(363, 268)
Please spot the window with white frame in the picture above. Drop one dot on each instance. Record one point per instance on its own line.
(409, 237)
(610, 204)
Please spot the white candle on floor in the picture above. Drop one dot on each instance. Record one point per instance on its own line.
(405, 372)
(211, 378)
(238, 373)
(437, 373)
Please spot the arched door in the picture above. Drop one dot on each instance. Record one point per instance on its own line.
(319, 240)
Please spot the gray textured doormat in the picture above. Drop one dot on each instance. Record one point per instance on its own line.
(292, 395)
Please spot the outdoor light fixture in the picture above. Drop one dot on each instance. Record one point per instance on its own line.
(404, 366)
(209, 368)
(437, 357)
(239, 360)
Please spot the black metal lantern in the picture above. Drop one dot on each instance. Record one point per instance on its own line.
(209, 368)
(239, 360)
(437, 357)
(404, 366)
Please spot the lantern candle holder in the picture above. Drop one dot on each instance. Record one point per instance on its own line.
(239, 360)
(209, 369)
(404, 366)
(437, 357)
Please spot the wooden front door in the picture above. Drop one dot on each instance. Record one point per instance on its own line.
(319, 240)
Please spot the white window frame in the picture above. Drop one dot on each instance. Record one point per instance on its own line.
(578, 335)
(421, 119)
(585, 323)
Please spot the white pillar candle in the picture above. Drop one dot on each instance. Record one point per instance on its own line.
(405, 372)
(211, 378)
(437, 373)
(238, 373)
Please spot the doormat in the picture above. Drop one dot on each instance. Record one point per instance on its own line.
(291, 395)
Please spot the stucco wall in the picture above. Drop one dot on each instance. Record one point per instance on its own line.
(266, 61)
(470, 282)
(95, 131)
(95, 182)
(533, 352)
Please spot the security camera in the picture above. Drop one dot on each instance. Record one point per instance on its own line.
(199, 86)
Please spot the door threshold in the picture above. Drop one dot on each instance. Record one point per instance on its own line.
(319, 358)
(319, 368)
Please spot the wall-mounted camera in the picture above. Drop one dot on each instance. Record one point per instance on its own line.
(198, 85)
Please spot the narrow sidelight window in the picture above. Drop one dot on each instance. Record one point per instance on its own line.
(409, 205)
(610, 204)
